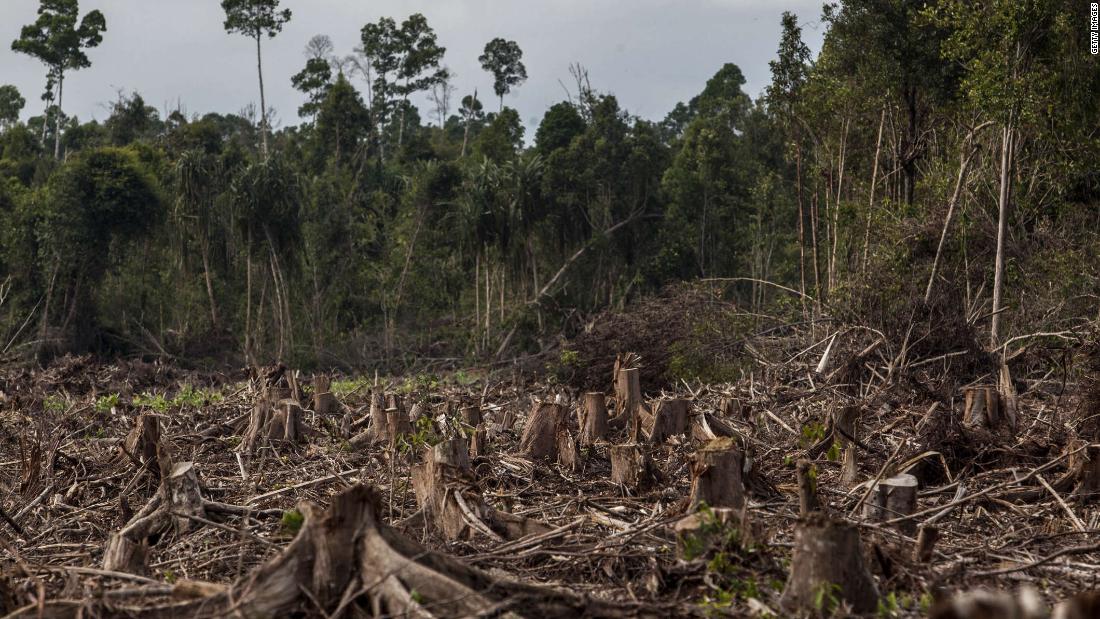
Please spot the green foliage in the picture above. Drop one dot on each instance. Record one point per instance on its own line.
(503, 59)
(254, 18)
(292, 521)
(55, 404)
(106, 403)
(826, 598)
(811, 433)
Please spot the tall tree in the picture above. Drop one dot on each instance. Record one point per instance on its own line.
(11, 103)
(58, 41)
(256, 18)
(316, 78)
(470, 110)
(504, 59)
(420, 63)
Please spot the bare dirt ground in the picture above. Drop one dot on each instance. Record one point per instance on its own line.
(464, 510)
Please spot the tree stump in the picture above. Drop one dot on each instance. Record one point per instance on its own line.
(479, 443)
(257, 426)
(123, 554)
(982, 408)
(628, 391)
(539, 438)
(716, 475)
(142, 441)
(471, 416)
(892, 498)
(1085, 465)
(594, 422)
(568, 455)
(669, 419)
(182, 492)
(379, 429)
(926, 543)
(807, 488)
(631, 466)
(398, 426)
(324, 401)
(828, 563)
(845, 426)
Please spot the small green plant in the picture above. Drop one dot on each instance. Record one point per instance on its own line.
(189, 396)
(105, 403)
(292, 521)
(570, 358)
(423, 435)
(344, 388)
(833, 454)
(812, 433)
(170, 576)
(416, 596)
(826, 598)
(157, 402)
(55, 404)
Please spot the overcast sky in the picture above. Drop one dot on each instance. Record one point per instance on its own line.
(649, 53)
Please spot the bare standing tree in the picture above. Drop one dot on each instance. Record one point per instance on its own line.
(441, 94)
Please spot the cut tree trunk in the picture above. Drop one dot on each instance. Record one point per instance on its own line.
(807, 488)
(540, 434)
(892, 498)
(844, 432)
(716, 475)
(982, 408)
(927, 537)
(142, 441)
(669, 419)
(631, 466)
(324, 401)
(379, 429)
(594, 424)
(569, 457)
(450, 500)
(398, 426)
(827, 564)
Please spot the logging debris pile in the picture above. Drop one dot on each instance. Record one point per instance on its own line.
(842, 475)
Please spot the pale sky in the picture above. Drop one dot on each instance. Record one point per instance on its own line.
(649, 53)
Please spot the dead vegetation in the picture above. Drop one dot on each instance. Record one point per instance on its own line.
(845, 473)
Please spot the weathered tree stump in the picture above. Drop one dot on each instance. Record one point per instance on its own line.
(891, 498)
(628, 391)
(707, 427)
(445, 491)
(257, 426)
(716, 475)
(379, 429)
(124, 554)
(539, 438)
(142, 441)
(631, 466)
(927, 537)
(828, 563)
(807, 488)
(669, 419)
(594, 419)
(471, 416)
(982, 408)
(479, 443)
(324, 401)
(1081, 606)
(1085, 467)
(398, 426)
(845, 428)
(569, 457)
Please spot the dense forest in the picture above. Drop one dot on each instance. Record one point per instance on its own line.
(935, 159)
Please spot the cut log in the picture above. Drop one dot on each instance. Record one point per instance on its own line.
(568, 455)
(540, 434)
(927, 537)
(594, 422)
(807, 488)
(707, 427)
(324, 401)
(845, 429)
(716, 475)
(669, 419)
(827, 569)
(631, 466)
(891, 498)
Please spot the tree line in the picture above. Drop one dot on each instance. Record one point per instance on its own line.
(933, 158)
